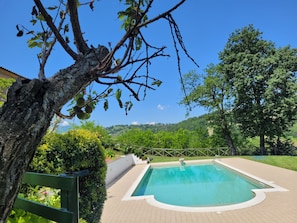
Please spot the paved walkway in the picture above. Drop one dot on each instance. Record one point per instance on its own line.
(278, 207)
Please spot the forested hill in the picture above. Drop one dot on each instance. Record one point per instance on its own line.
(189, 124)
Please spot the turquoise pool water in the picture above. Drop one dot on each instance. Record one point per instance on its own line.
(198, 185)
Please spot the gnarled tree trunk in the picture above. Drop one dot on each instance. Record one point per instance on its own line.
(26, 115)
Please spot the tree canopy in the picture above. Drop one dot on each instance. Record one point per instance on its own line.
(211, 91)
(253, 84)
(263, 82)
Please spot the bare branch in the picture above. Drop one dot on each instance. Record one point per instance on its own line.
(163, 15)
(59, 114)
(174, 27)
(79, 40)
(135, 95)
(174, 30)
(129, 33)
(56, 32)
(47, 52)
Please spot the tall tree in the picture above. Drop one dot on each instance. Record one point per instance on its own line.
(263, 81)
(211, 93)
(31, 105)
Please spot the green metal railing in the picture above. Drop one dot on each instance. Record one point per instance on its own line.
(69, 185)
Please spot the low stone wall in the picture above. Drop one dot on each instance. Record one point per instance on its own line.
(118, 167)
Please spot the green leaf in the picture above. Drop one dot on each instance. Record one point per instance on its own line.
(157, 82)
(128, 106)
(121, 15)
(120, 103)
(105, 105)
(32, 44)
(52, 8)
(40, 17)
(66, 28)
(34, 11)
(118, 94)
(20, 33)
(138, 43)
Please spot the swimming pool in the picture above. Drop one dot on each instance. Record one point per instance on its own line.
(198, 186)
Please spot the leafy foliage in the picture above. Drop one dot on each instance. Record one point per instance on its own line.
(5, 83)
(211, 91)
(74, 151)
(263, 82)
(134, 139)
(39, 195)
(98, 131)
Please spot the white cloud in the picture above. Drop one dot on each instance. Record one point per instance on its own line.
(151, 123)
(134, 123)
(160, 107)
(64, 123)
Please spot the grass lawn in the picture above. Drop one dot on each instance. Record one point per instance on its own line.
(288, 162)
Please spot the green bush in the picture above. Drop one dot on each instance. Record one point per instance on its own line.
(43, 195)
(74, 151)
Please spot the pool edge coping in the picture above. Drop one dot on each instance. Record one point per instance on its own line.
(258, 198)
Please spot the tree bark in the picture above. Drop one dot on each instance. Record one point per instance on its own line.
(227, 134)
(26, 116)
(229, 140)
(262, 144)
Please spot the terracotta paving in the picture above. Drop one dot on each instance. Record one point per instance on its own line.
(278, 207)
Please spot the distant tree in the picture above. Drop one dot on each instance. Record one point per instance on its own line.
(30, 106)
(263, 82)
(181, 139)
(136, 138)
(164, 139)
(199, 138)
(211, 91)
(99, 131)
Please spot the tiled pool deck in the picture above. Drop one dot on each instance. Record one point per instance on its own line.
(278, 207)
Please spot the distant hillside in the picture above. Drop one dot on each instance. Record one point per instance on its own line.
(118, 129)
(188, 124)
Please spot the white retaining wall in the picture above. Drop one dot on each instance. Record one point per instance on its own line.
(117, 167)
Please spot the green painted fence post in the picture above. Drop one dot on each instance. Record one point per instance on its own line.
(70, 199)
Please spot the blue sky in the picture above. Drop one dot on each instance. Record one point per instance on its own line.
(205, 26)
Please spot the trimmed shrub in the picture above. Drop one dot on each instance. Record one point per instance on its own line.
(74, 151)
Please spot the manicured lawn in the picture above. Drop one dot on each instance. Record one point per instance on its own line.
(288, 162)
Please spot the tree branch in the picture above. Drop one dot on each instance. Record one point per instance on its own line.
(47, 51)
(79, 40)
(56, 32)
(108, 58)
(163, 15)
